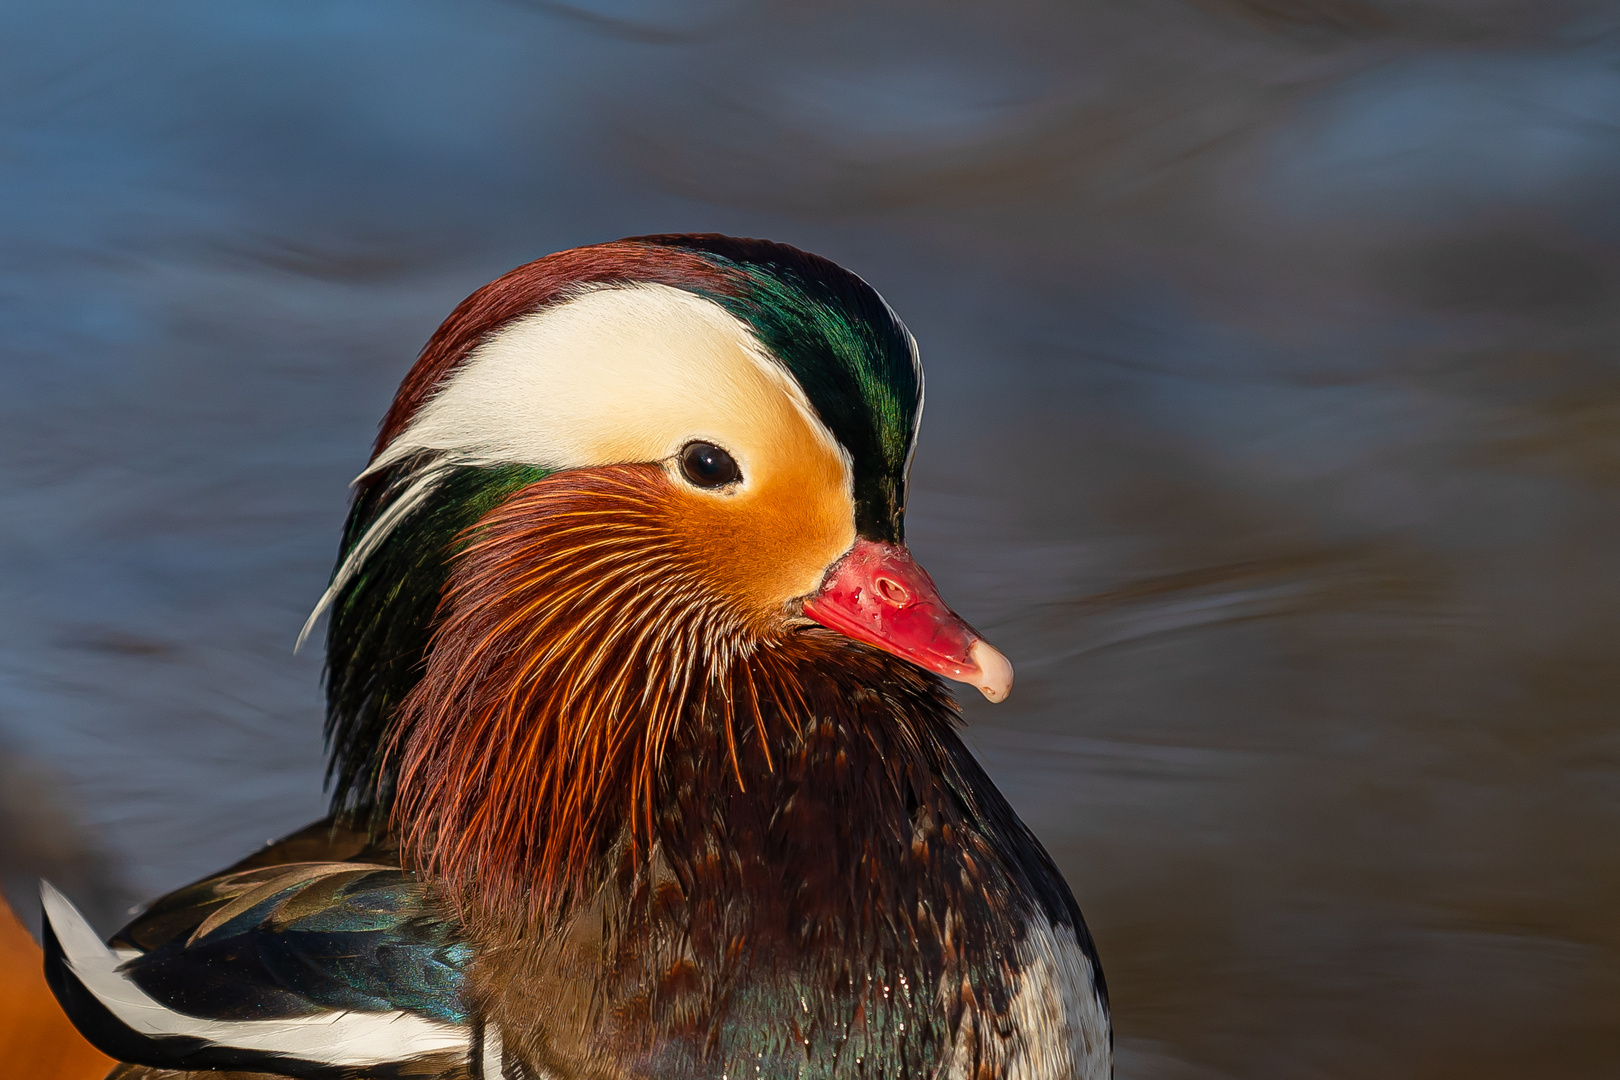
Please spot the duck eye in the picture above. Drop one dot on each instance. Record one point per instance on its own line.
(708, 466)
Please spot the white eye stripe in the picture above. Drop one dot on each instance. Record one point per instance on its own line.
(614, 375)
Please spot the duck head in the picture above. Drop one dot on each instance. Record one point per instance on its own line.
(622, 484)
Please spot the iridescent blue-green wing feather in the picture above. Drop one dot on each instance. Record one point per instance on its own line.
(297, 940)
(303, 969)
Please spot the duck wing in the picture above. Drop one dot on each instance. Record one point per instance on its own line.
(305, 969)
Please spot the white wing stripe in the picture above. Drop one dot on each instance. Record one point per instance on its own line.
(493, 1065)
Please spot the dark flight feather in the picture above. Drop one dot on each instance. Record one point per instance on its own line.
(301, 938)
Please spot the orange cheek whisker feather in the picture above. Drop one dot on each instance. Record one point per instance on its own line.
(577, 634)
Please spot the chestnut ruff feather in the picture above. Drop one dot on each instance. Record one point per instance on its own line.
(578, 632)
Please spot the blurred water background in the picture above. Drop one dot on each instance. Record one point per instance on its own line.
(1273, 431)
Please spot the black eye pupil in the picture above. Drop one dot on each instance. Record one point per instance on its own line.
(706, 465)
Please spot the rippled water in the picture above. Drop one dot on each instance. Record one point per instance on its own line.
(1273, 431)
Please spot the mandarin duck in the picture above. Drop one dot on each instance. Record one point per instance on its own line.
(642, 758)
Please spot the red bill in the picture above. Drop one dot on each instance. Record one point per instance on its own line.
(878, 594)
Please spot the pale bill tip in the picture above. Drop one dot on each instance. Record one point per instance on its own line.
(995, 671)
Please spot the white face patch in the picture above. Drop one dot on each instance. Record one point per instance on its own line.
(614, 375)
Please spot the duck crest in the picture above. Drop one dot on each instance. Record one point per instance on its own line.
(802, 307)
